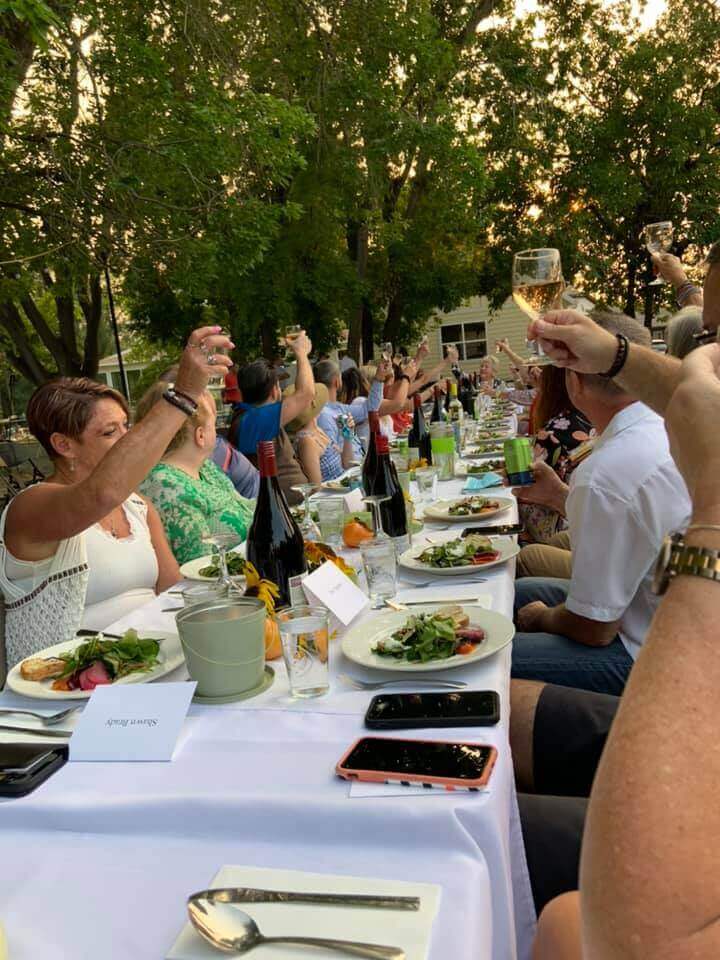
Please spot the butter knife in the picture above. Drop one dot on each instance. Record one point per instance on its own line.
(250, 895)
(42, 731)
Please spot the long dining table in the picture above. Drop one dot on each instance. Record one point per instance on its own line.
(99, 860)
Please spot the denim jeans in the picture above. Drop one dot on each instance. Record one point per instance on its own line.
(556, 659)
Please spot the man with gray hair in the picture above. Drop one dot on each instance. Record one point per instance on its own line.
(338, 419)
(622, 501)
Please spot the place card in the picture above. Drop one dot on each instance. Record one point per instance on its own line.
(131, 722)
(354, 502)
(330, 586)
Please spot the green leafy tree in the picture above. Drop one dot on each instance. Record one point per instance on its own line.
(133, 143)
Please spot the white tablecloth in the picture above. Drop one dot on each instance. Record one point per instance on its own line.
(105, 854)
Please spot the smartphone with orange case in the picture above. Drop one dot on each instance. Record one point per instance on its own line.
(449, 765)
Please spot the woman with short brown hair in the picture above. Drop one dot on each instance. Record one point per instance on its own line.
(82, 548)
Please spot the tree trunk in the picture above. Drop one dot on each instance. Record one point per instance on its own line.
(393, 319)
(26, 361)
(90, 300)
(368, 332)
(630, 294)
(357, 241)
(17, 34)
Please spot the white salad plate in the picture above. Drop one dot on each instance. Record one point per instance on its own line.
(359, 640)
(170, 657)
(336, 485)
(191, 569)
(507, 547)
(440, 510)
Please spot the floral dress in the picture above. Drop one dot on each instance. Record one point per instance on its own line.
(553, 443)
(187, 506)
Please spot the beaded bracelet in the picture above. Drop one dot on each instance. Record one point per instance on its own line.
(620, 357)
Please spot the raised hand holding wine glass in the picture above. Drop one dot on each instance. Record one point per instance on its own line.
(537, 286)
(658, 239)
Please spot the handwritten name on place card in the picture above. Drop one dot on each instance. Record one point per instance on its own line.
(335, 591)
(131, 722)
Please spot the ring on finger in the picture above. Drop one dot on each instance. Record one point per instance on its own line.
(211, 359)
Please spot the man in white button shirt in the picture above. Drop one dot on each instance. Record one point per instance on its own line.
(622, 500)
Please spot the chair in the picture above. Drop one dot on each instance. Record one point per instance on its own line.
(15, 458)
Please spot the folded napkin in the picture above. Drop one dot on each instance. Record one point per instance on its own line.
(458, 593)
(411, 930)
(484, 480)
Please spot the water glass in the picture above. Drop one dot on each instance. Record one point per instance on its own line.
(427, 484)
(331, 513)
(199, 593)
(305, 635)
(380, 565)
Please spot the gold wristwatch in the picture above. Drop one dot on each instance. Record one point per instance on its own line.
(677, 557)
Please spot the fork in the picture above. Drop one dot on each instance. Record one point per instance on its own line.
(47, 720)
(379, 684)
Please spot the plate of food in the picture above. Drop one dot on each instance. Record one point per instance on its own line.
(71, 670)
(463, 556)
(208, 567)
(344, 482)
(461, 509)
(486, 448)
(476, 468)
(433, 637)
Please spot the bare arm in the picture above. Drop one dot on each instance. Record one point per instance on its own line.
(650, 874)
(168, 569)
(309, 457)
(301, 399)
(591, 633)
(574, 340)
(396, 401)
(50, 512)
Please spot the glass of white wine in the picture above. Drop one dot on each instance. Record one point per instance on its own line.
(537, 285)
(386, 351)
(658, 239)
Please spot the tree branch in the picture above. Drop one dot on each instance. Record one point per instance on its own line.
(12, 321)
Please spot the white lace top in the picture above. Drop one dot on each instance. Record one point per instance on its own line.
(92, 580)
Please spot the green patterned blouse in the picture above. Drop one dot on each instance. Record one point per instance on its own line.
(186, 506)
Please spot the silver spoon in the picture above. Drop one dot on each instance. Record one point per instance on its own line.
(47, 720)
(229, 929)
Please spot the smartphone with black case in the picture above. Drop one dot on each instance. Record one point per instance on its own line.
(24, 766)
(428, 763)
(498, 530)
(406, 711)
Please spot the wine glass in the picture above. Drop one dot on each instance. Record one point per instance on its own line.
(658, 239)
(386, 351)
(537, 285)
(307, 526)
(291, 333)
(376, 518)
(222, 538)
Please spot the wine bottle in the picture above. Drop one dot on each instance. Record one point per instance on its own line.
(370, 462)
(455, 414)
(438, 412)
(419, 436)
(393, 514)
(447, 394)
(275, 544)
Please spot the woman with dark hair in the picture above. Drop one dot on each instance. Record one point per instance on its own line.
(563, 430)
(82, 548)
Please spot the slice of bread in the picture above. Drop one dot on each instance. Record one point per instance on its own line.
(41, 668)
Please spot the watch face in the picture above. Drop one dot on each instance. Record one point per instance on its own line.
(661, 577)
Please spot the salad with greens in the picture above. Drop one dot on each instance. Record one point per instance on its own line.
(470, 551)
(99, 660)
(486, 466)
(473, 507)
(235, 565)
(431, 636)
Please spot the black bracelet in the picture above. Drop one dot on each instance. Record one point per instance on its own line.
(685, 290)
(189, 408)
(620, 357)
(184, 396)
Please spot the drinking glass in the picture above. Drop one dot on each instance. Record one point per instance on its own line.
(305, 635)
(427, 484)
(537, 286)
(380, 565)
(386, 351)
(331, 513)
(217, 535)
(199, 593)
(219, 378)
(375, 502)
(308, 528)
(658, 239)
(291, 333)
